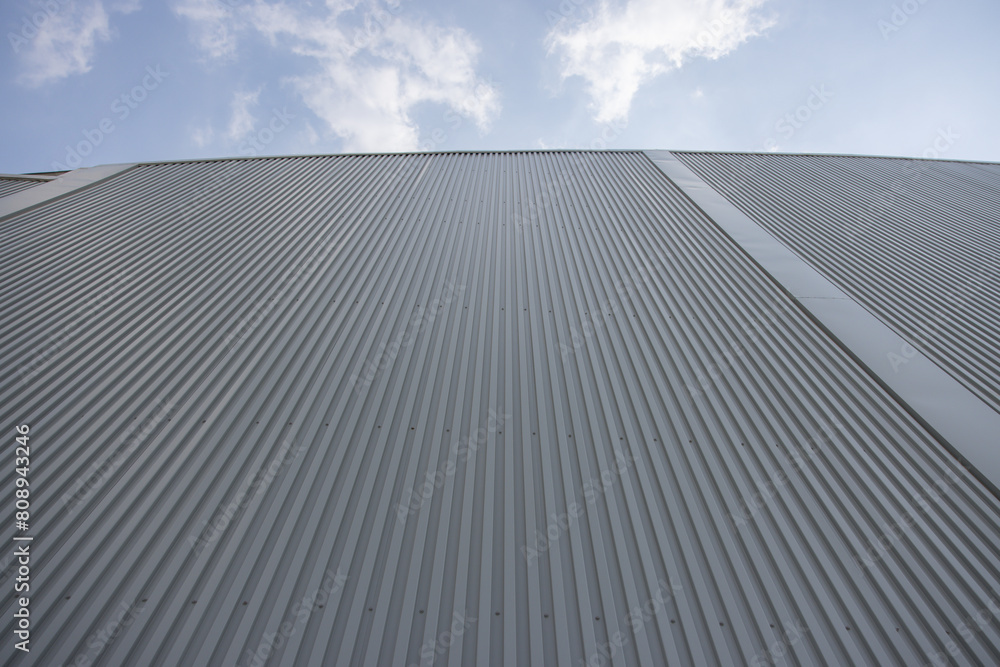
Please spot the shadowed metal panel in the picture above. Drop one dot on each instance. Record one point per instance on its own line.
(934, 397)
(916, 241)
(12, 185)
(52, 187)
(516, 408)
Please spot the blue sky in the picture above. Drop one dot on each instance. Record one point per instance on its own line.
(88, 82)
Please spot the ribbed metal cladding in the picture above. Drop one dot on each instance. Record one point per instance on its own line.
(483, 408)
(9, 186)
(916, 241)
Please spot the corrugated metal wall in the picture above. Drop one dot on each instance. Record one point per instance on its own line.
(9, 186)
(513, 408)
(915, 241)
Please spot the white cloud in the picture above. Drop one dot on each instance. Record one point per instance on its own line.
(242, 121)
(125, 6)
(214, 24)
(620, 48)
(367, 97)
(367, 66)
(310, 135)
(65, 38)
(364, 106)
(202, 136)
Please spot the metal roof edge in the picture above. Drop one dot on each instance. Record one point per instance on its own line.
(296, 156)
(57, 187)
(28, 177)
(956, 416)
(850, 155)
(519, 150)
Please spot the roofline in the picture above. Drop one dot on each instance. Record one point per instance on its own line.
(852, 155)
(386, 153)
(235, 158)
(31, 177)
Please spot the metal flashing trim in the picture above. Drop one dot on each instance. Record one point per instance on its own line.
(57, 187)
(940, 402)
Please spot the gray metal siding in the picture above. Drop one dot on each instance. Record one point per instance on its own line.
(236, 371)
(11, 185)
(916, 241)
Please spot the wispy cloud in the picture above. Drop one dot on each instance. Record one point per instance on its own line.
(242, 121)
(621, 47)
(214, 25)
(66, 41)
(366, 67)
(202, 136)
